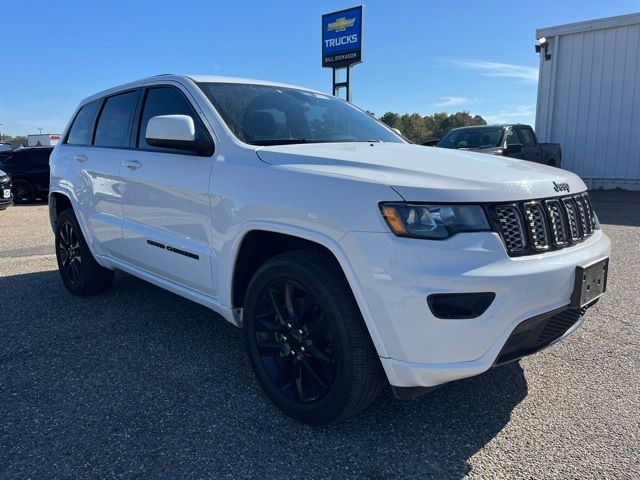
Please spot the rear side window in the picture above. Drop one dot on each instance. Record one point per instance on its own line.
(40, 157)
(527, 137)
(513, 137)
(114, 124)
(165, 101)
(79, 133)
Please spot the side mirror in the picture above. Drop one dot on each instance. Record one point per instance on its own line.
(513, 148)
(176, 132)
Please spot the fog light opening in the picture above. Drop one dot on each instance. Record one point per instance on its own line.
(459, 305)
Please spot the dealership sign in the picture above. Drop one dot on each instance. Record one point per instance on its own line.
(342, 38)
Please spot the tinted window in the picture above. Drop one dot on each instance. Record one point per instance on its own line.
(513, 137)
(527, 137)
(471, 138)
(79, 133)
(40, 157)
(114, 125)
(165, 101)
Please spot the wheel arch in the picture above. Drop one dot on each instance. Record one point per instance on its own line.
(58, 202)
(276, 239)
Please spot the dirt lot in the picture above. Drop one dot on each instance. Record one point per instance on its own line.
(137, 382)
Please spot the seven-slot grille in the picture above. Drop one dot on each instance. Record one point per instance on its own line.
(540, 225)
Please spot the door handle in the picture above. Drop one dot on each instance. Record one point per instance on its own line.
(79, 157)
(132, 164)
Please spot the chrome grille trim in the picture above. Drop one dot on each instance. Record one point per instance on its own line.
(556, 222)
(572, 219)
(511, 225)
(539, 225)
(584, 221)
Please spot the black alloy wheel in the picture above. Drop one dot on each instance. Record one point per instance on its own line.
(68, 250)
(307, 341)
(80, 272)
(295, 341)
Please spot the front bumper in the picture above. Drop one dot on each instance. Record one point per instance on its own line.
(5, 202)
(397, 275)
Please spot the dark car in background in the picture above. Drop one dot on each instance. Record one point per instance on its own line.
(512, 140)
(29, 171)
(6, 198)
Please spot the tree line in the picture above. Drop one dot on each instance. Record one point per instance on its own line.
(15, 141)
(420, 129)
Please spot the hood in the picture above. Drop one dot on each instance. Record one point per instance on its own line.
(427, 174)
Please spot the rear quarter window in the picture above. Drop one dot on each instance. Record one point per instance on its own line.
(81, 127)
(114, 125)
(527, 137)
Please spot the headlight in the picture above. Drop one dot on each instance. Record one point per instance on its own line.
(433, 221)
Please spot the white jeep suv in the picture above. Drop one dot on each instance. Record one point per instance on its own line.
(350, 257)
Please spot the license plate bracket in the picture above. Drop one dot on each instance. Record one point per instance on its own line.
(590, 283)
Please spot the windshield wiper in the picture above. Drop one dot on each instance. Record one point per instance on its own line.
(281, 141)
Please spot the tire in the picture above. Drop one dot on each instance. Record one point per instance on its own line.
(80, 272)
(23, 191)
(306, 340)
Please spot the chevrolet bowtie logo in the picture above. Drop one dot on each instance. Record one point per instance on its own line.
(341, 24)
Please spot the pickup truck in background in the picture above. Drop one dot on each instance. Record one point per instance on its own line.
(512, 140)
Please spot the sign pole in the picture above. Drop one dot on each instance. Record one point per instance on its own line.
(342, 45)
(346, 84)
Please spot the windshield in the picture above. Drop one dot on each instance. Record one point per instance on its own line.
(472, 138)
(273, 115)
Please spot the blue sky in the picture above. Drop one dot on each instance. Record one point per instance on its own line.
(420, 56)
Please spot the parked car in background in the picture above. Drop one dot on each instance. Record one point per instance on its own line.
(512, 140)
(6, 198)
(29, 172)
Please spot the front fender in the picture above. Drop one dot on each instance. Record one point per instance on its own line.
(314, 236)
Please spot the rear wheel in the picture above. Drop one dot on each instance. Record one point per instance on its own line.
(80, 272)
(306, 340)
(23, 191)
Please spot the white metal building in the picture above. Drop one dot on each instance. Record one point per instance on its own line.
(43, 140)
(589, 98)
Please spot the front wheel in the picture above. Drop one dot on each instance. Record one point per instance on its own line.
(80, 272)
(307, 342)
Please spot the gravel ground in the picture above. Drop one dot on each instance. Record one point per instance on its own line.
(140, 383)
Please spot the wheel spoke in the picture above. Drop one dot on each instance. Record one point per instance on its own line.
(63, 255)
(75, 268)
(274, 304)
(68, 271)
(271, 345)
(298, 380)
(309, 368)
(268, 322)
(289, 299)
(64, 239)
(319, 354)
